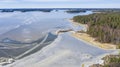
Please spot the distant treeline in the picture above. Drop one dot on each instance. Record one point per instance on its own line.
(75, 11)
(105, 27)
(106, 10)
(68, 10)
(25, 10)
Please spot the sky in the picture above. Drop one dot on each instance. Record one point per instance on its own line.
(59, 3)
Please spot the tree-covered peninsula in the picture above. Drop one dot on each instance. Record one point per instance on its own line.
(105, 27)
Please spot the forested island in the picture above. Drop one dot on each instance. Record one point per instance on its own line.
(105, 27)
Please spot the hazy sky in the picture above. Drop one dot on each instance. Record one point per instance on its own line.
(59, 3)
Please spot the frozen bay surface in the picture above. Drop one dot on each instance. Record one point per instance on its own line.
(30, 27)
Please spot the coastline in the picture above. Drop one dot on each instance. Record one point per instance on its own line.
(89, 39)
(76, 23)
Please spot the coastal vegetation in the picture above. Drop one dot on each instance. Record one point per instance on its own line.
(109, 61)
(104, 27)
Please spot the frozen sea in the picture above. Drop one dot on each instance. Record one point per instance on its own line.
(53, 50)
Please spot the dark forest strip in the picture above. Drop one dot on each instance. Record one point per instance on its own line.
(105, 27)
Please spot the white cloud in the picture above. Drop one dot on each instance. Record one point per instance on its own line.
(45, 0)
(8, 0)
(61, 0)
(56, 0)
(58, 3)
(49, 0)
(34, 0)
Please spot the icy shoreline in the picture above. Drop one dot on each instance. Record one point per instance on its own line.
(62, 53)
